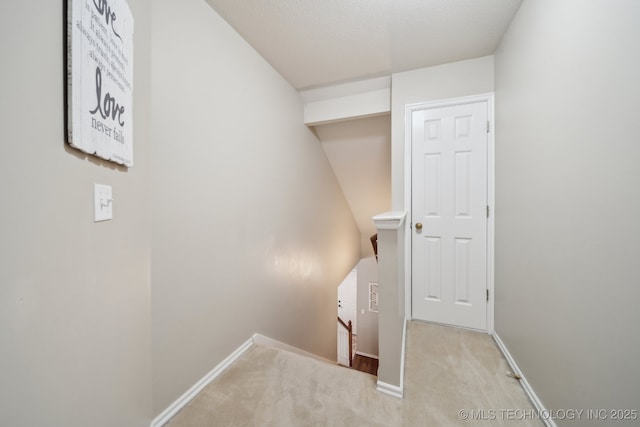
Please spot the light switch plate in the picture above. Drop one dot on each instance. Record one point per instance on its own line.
(102, 202)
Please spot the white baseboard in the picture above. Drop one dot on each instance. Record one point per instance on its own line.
(537, 403)
(394, 390)
(270, 342)
(258, 339)
(370, 356)
(183, 400)
(402, 355)
(391, 390)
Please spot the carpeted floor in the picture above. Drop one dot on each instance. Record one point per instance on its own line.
(446, 370)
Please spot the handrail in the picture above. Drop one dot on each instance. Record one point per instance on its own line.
(349, 328)
(344, 324)
(374, 243)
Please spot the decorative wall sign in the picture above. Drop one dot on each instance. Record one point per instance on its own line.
(373, 296)
(100, 78)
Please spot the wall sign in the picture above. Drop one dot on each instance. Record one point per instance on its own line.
(100, 78)
(373, 296)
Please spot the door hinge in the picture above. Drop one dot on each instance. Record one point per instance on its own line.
(487, 295)
(487, 211)
(488, 126)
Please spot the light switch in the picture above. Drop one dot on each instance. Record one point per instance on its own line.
(102, 202)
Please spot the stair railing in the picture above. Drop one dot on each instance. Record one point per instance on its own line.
(349, 328)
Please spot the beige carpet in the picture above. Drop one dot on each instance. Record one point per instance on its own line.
(447, 370)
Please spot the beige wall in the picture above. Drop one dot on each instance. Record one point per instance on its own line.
(463, 78)
(251, 231)
(567, 213)
(367, 320)
(391, 315)
(359, 151)
(74, 294)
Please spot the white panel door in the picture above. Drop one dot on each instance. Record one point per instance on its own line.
(449, 214)
(343, 345)
(347, 299)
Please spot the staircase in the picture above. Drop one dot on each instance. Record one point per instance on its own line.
(365, 364)
(346, 350)
(345, 343)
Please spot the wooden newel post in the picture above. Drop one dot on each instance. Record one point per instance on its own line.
(350, 328)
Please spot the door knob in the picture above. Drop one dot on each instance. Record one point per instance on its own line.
(418, 226)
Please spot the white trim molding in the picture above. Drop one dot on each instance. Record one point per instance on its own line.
(183, 400)
(391, 390)
(402, 355)
(389, 220)
(533, 397)
(371, 104)
(346, 101)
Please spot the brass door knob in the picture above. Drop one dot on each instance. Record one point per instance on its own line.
(418, 226)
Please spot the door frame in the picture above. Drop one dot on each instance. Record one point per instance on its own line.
(408, 113)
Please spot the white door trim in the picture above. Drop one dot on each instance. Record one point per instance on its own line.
(408, 113)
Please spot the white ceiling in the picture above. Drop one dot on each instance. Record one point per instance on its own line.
(321, 42)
